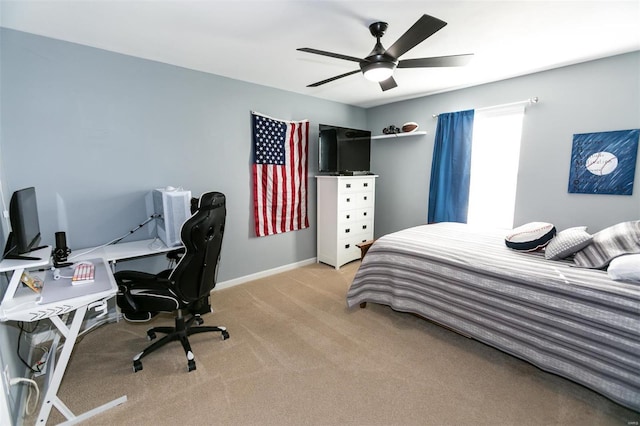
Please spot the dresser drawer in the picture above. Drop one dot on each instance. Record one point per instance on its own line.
(346, 230)
(355, 185)
(356, 200)
(348, 250)
(354, 215)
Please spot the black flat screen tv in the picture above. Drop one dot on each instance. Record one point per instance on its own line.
(343, 150)
(25, 225)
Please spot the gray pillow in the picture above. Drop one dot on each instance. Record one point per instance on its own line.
(611, 242)
(567, 242)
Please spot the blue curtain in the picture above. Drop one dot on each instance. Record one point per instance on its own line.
(450, 169)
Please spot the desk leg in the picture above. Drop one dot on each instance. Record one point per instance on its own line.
(51, 396)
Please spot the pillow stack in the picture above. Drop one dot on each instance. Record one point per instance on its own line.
(616, 248)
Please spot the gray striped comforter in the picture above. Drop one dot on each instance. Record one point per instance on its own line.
(571, 321)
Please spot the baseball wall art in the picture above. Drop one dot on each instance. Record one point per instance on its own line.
(604, 162)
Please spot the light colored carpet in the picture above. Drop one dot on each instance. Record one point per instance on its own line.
(298, 356)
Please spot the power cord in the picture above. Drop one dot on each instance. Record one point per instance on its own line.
(22, 330)
(33, 385)
(117, 240)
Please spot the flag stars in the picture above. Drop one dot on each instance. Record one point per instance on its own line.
(269, 141)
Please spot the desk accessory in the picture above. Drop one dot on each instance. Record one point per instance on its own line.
(83, 273)
(61, 252)
(34, 283)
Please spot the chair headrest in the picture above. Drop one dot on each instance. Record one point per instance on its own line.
(211, 200)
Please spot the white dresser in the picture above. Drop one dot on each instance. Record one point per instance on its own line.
(345, 216)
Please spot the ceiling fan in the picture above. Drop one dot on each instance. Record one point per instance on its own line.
(381, 62)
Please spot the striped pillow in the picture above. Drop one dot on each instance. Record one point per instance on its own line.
(608, 244)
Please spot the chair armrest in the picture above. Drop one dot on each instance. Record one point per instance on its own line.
(133, 279)
(134, 276)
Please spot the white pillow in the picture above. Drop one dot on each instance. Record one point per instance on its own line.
(625, 268)
(567, 242)
(530, 236)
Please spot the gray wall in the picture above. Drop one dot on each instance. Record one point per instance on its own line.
(94, 131)
(594, 96)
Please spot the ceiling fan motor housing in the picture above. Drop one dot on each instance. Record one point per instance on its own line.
(378, 61)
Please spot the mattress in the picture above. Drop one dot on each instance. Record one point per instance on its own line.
(571, 321)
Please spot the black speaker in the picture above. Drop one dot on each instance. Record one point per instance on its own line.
(61, 252)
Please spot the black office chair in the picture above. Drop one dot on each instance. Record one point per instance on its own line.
(187, 287)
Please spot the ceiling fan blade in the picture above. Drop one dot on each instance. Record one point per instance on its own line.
(424, 27)
(387, 84)
(330, 54)
(333, 78)
(436, 61)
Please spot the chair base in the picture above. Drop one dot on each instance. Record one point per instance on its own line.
(182, 330)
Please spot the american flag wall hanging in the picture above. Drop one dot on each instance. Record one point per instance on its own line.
(280, 165)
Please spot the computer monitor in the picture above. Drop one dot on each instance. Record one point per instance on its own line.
(25, 225)
(173, 207)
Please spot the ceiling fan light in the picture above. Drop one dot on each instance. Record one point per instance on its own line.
(378, 72)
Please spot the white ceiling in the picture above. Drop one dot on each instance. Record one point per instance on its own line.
(256, 41)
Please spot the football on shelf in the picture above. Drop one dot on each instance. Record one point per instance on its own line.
(409, 127)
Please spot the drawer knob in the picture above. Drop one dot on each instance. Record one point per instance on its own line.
(364, 214)
(366, 184)
(346, 231)
(348, 200)
(348, 185)
(348, 216)
(365, 197)
(364, 226)
(347, 246)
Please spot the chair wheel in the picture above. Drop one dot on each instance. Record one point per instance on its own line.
(191, 365)
(225, 334)
(151, 335)
(137, 366)
(199, 320)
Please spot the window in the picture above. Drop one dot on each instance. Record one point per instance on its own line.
(495, 156)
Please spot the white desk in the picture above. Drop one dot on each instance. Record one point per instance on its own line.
(59, 302)
(22, 304)
(123, 251)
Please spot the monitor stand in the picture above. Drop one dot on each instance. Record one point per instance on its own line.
(21, 257)
(13, 256)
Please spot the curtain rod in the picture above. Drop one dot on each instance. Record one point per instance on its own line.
(529, 101)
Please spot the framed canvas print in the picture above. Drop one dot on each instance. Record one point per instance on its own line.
(604, 162)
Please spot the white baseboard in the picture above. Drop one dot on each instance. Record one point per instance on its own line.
(263, 274)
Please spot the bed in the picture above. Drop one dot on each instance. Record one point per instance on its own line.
(571, 321)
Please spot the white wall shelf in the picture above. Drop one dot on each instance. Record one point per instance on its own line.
(400, 135)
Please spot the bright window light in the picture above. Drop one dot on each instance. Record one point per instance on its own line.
(495, 156)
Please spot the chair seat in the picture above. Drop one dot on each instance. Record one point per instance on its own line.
(146, 293)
